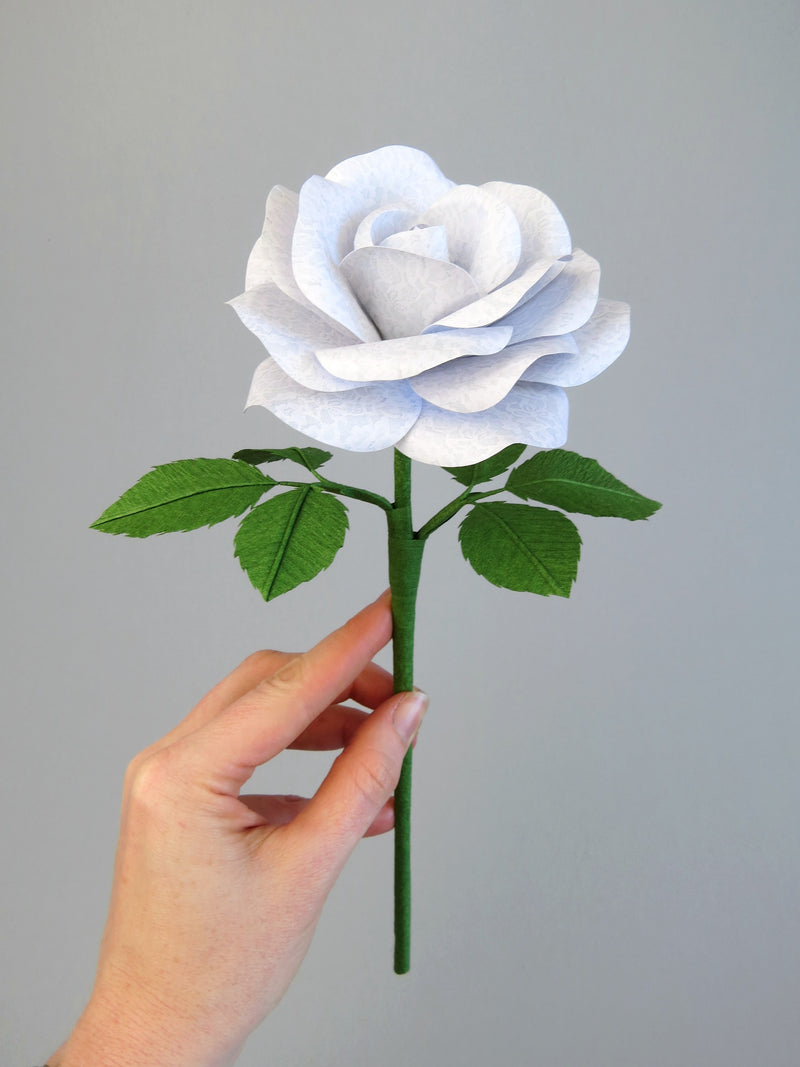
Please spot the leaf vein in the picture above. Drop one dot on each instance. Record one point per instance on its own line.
(177, 500)
(283, 548)
(526, 550)
(584, 485)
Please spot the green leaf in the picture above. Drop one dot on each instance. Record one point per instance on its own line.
(478, 473)
(310, 458)
(184, 495)
(289, 539)
(519, 547)
(575, 483)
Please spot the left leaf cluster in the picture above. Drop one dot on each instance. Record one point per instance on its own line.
(280, 543)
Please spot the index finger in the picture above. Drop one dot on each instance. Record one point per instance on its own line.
(224, 753)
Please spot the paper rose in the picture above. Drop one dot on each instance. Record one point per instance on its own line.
(399, 308)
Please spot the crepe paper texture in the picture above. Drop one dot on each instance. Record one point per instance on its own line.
(400, 310)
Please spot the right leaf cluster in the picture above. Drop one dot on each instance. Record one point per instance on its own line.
(535, 549)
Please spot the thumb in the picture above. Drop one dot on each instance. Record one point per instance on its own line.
(360, 781)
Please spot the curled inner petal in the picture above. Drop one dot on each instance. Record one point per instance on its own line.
(403, 293)
(482, 234)
(383, 222)
(422, 240)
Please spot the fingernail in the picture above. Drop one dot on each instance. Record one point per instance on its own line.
(408, 713)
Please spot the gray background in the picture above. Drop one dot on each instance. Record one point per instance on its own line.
(606, 831)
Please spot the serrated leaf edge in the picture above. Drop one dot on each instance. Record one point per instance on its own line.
(525, 551)
(304, 493)
(473, 482)
(102, 521)
(632, 494)
(299, 459)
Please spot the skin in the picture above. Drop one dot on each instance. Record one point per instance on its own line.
(216, 895)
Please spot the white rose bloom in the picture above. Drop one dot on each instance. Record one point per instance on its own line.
(399, 308)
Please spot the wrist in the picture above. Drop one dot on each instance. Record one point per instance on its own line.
(110, 1036)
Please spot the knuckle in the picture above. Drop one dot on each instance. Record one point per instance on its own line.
(374, 776)
(287, 679)
(133, 768)
(261, 662)
(149, 778)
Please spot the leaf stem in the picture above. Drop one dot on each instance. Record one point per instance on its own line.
(343, 490)
(488, 492)
(441, 517)
(451, 509)
(405, 562)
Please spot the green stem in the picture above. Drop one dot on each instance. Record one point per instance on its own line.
(405, 562)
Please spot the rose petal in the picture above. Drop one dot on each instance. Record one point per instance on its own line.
(271, 258)
(405, 356)
(327, 218)
(382, 222)
(395, 172)
(422, 240)
(361, 420)
(475, 383)
(291, 332)
(597, 345)
(482, 233)
(542, 227)
(266, 308)
(561, 306)
(402, 292)
(531, 414)
(494, 305)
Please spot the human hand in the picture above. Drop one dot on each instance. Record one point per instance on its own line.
(216, 895)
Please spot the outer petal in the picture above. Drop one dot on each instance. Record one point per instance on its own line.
(394, 173)
(404, 356)
(327, 218)
(402, 292)
(267, 308)
(542, 226)
(563, 305)
(271, 258)
(361, 420)
(291, 332)
(494, 305)
(597, 345)
(531, 414)
(482, 234)
(475, 383)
